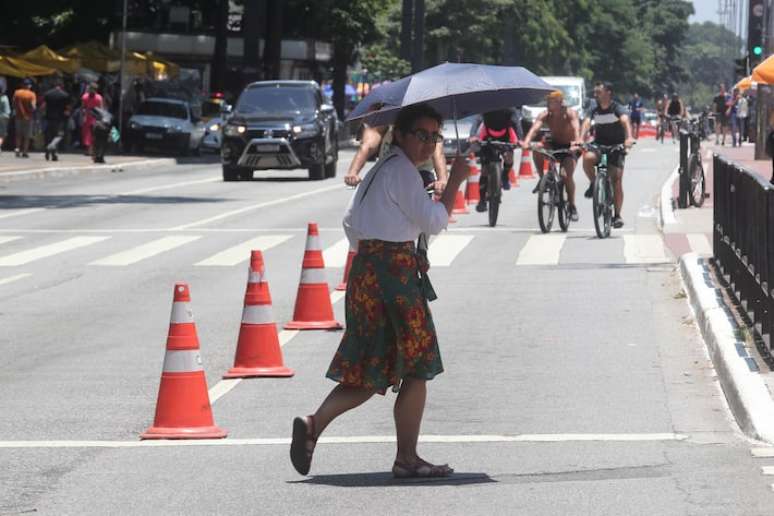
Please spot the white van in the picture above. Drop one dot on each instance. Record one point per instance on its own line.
(574, 90)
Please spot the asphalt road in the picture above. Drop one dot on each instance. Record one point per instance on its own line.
(575, 383)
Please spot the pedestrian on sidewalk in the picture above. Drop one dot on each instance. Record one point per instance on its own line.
(731, 115)
(57, 107)
(720, 102)
(5, 115)
(390, 339)
(24, 105)
(89, 100)
(103, 122)
(743, 114)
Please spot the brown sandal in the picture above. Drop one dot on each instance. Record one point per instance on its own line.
(302, 444)
(420, 469)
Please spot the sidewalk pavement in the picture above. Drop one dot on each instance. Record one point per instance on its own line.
(69, 164)
(746, 378)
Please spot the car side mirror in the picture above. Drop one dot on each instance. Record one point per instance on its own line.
(226, 109)
(326, 108)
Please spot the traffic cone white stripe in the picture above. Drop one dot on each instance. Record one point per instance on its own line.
(313, 243)
(474, 179)
(256, 276)
(313, 276)
(257, 314)
(181, 313)
(183, 361)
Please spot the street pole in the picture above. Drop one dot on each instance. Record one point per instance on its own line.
(121, 77)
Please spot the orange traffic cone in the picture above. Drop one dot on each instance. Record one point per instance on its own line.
(472, 190)
(526, 165)
(343, 284)
(513, 178)
(460, 208)
(313, 309)
(183, 407)
(258, 350)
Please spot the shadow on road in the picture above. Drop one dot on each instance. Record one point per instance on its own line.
(386, 479)
(15, 202)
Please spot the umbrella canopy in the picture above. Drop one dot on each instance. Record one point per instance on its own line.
(103, 59)
(764, 72)
(455, 90)
(17, 67)
(44, 56)
(744, 84)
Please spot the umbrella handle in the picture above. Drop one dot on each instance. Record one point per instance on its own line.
(456, 130)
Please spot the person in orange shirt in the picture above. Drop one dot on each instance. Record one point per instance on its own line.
(24, 103)
(90, 100)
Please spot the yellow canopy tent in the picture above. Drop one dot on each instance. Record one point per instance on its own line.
(744, 84)
(44, 56)
(16, 67)
(764, 72)
(156, 67)
(103, 59)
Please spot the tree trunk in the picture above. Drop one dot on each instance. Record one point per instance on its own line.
(218, 73)
(272, 50)
(407, 17)
(341, 56)
(417, 63)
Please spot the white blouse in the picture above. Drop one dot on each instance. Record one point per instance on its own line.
(391, 204)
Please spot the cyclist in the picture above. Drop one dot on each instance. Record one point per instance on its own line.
(635, 114)
(565, 127)
(675, 109)
(661, 107)
(498, 126)
(611, 127)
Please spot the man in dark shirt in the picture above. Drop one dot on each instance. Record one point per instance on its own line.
(57, 106)
(611, 127)
(635, 114)
(720, 102)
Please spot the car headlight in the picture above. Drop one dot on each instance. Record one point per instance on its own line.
(306, 130)
(234, 130)
(134, 125)
(214, 128)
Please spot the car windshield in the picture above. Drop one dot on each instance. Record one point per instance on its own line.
(571, 95)
(167, 109)
(463, 127)
(274, 100)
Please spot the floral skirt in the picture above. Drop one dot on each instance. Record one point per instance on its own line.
(389, 333)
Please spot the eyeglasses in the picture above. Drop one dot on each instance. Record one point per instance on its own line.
(426, 137)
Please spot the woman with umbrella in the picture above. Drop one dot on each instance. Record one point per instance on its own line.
(390, 340)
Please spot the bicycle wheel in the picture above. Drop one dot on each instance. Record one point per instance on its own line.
(563, 206)
(494, 194)
(696, 175)
(546, 202)
(601, 205)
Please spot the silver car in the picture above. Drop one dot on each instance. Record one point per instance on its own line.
(165, 124)
(213, 136)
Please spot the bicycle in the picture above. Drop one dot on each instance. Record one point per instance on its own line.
(602, 198)
(695, 167)
(661, 128)
(674, 126)
(552, 193)
(491, 153)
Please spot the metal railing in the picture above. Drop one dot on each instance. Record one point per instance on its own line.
(743, 239)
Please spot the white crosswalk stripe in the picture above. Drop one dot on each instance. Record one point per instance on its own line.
(542, 250)
(241, 252)
(37, 253)
(6, 239)
(145, 251)
(445, 248)
(11, 279)
(644, 249)
(336, 255)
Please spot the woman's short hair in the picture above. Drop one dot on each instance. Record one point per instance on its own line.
(409, 115)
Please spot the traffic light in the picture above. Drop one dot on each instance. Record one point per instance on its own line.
(740, 67)
(755, 31)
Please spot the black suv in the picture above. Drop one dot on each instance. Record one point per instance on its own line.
(280, 125)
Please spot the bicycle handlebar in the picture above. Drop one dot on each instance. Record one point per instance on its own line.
(551, 154)
(605, 149)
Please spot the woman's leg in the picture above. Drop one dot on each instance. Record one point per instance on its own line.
(341, 399)
(408, 410)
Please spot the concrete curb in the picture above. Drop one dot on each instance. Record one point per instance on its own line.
(52, 172)
(747, 394)
(666, 206)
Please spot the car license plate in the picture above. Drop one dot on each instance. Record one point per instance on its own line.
(267, 147)
(153, 136)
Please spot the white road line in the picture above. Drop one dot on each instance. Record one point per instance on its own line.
(644, 249)
(762, 452)
(222, 388)
(171, 186)
(357, 439)
(699, 243)
(337, 295)
(337, 186)
(241, 252)
(141, 252)
(767, 470)
(445, 248)
(667, 214)
(11, 279)
(336, 255)
(541, 250)
(20, 212)
(24, 257)
(6, 239)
